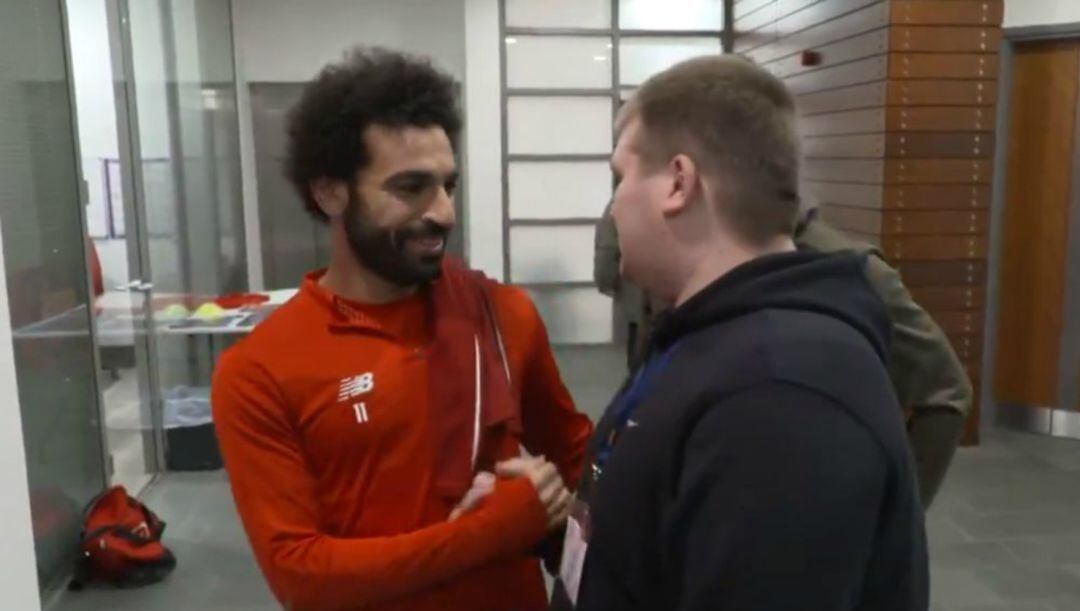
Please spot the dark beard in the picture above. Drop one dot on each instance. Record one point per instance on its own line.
(383, 250)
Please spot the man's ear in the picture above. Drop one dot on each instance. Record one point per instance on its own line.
(684, 186)
(331, 195)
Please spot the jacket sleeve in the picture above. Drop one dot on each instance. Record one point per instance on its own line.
(774, 479)
(929, 379)
(553, 425)
(309, 569)
(606, 254)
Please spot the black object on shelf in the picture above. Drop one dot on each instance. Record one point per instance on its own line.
(192, 448)
(190, 440)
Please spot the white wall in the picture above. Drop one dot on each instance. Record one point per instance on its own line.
(95, 108)
(91, 70)
(288, 41)
(1020, 13)
(483, 138)
(151, 91)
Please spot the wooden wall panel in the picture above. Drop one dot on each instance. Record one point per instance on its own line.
(944, 39)
(933, 247)
(916, 197)
(962, 66)
(968, 346)
(933, 222)
(954, 145)
(959, 322)
(967, 352)
(974, 369)
(950, 297)
(938, 171)
(940, 92)
(918, 274)
(940, 119)
(948, 12)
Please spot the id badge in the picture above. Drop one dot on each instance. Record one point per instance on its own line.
(575, 546)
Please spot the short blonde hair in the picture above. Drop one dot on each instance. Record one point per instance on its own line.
(737, 122)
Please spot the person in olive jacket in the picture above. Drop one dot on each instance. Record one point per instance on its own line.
(928, 377)
(633, 314)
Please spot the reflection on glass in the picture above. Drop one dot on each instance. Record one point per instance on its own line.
(559, 125)
(558, 62)
(575, 315)
(188, 136)
(671, 14)
(532, 258)
(559, 189)
(640, 58)
(119, 312)
(45, 260)
(558, 13)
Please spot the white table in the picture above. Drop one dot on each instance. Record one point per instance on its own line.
(115, 323)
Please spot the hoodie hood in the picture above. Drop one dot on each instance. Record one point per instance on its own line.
(834, 285)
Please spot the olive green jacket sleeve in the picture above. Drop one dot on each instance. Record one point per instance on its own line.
(629, 299)
(606, 255)
(929, 380)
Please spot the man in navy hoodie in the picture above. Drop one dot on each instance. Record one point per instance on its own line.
(757, 461)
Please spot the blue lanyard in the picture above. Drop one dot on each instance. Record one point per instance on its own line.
(627, 403)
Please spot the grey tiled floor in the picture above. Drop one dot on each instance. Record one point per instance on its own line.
(1004, 533)
(1005, 530)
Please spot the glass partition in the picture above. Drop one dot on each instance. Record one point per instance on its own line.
(45, 260)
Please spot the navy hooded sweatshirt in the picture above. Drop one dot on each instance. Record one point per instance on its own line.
(765, 467)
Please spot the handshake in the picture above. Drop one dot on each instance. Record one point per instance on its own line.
(545, 479)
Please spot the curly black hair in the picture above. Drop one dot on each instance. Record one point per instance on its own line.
(370, 86)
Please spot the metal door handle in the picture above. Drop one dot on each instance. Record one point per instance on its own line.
(130, 286)
(136, 285)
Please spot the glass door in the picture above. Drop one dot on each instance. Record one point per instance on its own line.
(45, 265)
(180, 160)
(120, 286)
(161, 162)
(182, 115)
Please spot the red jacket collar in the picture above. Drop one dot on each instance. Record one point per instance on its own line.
(343, 314)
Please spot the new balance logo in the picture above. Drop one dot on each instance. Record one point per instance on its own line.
(355, 386)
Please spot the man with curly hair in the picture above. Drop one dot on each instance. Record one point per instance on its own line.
(373, 426)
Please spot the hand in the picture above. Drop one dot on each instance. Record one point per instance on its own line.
(548, 483)
(482, 486)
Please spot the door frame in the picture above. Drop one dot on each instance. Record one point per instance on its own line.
(95, 357)
(136, 230)
(1056, 420)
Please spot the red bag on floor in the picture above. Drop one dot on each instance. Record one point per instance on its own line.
(121, 543)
